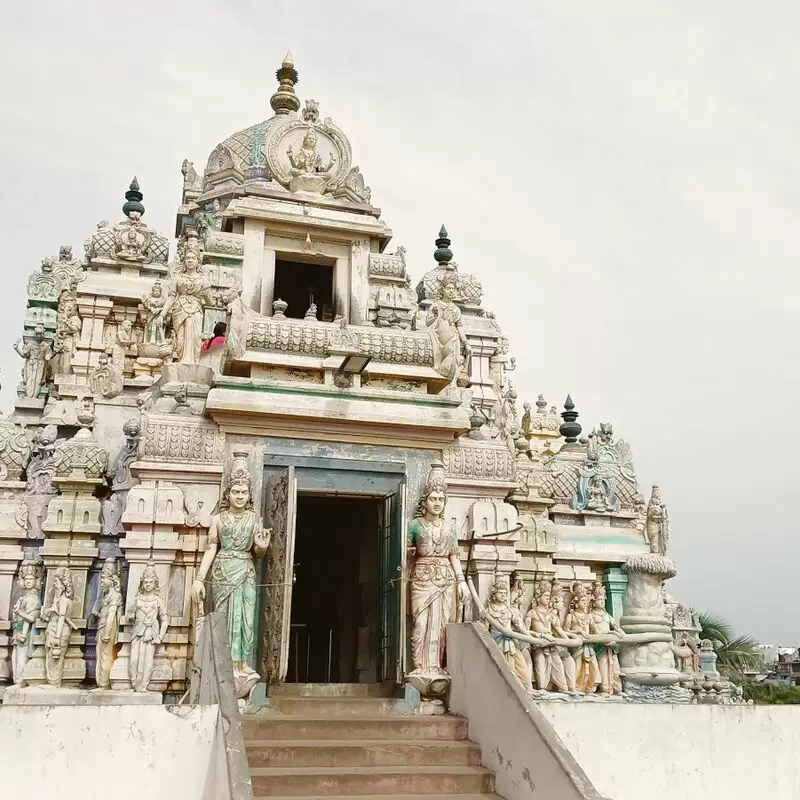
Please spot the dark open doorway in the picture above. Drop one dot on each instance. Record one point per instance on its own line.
(335, 595)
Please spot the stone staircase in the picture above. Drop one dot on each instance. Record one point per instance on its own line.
(350, 740)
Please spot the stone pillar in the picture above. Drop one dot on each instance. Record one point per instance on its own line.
(166, 520)
(359, 282)
(616, 581)
(15, 451)
(94, 312)
(647, 659)
(12, 533)
(71, 528)
(341, 288)
(268, 282)
(479, 476)
(152, 512)
(253, 263)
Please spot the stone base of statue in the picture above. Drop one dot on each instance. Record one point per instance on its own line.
(244, 682)
(64, 696)
(313, 184)
(188, 376)
(642, 693)
(433, 688)
(74, 671)
(649, 660)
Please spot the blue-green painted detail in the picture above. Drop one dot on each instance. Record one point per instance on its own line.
(588, 538)
(430, 401)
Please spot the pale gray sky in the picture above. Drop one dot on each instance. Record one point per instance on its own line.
(622, 176)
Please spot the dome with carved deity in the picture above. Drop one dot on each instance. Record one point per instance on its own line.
(294, 150)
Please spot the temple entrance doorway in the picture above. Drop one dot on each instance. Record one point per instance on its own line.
(333, 604)
(335, 593)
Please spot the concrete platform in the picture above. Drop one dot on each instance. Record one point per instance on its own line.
(53, 696)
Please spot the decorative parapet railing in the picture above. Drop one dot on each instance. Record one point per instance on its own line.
(212, 684)
(478, 460)
(320, 338)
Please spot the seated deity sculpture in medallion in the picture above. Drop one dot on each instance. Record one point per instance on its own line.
(307, 170)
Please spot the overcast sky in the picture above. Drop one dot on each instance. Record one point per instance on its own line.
(622, 176)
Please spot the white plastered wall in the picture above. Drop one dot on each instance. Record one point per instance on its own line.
(675, 752)
(124, 752)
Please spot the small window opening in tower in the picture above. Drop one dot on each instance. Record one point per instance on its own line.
(301, 283)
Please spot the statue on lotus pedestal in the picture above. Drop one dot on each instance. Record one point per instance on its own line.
(234, 536)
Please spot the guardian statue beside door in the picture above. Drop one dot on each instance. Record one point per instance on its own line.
(436, 585)
(235, 535)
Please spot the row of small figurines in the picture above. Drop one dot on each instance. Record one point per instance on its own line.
(557, 646)
(148, 618)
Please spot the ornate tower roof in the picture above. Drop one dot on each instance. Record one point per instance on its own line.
(294, 150)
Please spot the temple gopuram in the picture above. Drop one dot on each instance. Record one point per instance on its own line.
(280, 430)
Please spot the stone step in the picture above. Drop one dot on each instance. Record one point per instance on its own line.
(484, 796)
(324, 781)
(332, 690)
(344, 706)
(362, 753)
(416, 727)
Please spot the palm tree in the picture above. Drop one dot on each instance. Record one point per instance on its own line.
(735, 654)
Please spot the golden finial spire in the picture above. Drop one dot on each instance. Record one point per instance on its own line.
(284, 101)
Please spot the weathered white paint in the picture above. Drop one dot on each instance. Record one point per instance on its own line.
(683, 752)
(124, 752)
(517, 743)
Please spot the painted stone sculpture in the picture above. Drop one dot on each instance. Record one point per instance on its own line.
(235, 534)
(23, 616)
(500, 619)
(107, 610)
(150, 622)
(184, 306)
(37, 354)
(602, 624)
(59, 625)
(554, 667)
(436, 579)
(451, 349)
(579, 619)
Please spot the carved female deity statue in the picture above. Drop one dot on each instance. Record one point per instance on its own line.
(602, 623)
(150, 623)
(37, 354)
(59, 626)
(450, 346)
(107, 609)
(435, 573)
(235, 534)
(153, 304)
(23, 616)
(579, 620)
(187, 298)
